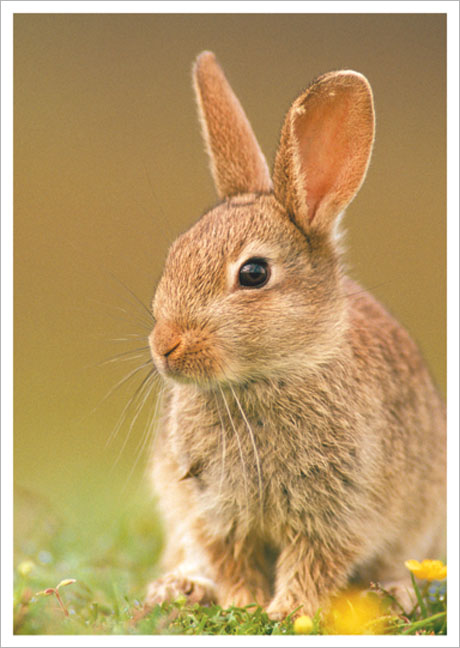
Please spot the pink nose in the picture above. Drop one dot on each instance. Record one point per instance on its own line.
(165, 338)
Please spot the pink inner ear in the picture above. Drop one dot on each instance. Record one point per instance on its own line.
(325, 129)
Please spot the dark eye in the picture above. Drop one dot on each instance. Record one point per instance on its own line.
(254, 273)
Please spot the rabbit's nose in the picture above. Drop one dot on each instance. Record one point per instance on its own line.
(165, 338)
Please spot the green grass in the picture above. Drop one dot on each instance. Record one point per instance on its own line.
(112, 564)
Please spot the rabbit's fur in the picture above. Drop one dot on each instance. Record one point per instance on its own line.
(303, 442)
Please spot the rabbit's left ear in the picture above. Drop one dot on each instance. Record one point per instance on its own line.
(325, 148)
(237, 163)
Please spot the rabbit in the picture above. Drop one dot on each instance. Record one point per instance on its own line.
(302, 440)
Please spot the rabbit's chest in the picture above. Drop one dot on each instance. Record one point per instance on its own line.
(267, 467)
(229, 469)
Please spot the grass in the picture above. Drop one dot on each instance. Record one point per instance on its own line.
(111, 566)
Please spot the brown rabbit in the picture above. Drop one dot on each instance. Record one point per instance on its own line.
(302, 444)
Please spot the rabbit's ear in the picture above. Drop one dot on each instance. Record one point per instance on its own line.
(325, 147)
(237, 163)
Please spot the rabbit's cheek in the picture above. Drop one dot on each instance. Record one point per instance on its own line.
(194, 358)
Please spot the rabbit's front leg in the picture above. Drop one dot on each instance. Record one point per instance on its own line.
(181, 582)
(241, 571)
(306, 575)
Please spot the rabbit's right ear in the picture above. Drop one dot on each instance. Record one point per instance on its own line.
(237, 163)
(325, 148)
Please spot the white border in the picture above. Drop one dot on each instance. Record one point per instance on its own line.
(230, 6)
(453, 424)
(269, 6)
(7, 320)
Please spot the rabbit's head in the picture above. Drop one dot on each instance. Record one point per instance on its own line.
(253, 290)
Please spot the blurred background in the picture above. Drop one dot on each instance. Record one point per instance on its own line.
(109, 168)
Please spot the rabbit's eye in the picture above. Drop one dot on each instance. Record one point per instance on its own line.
(254, 273)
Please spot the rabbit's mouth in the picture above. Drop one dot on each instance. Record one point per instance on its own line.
(188, 356)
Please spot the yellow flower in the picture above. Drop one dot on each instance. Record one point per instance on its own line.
(428, 569)
(355, 612)
(303, 625)
(25, 567)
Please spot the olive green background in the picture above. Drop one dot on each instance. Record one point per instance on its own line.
(109, 167)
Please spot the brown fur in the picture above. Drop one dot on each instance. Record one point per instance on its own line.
(303, 442)
(226, 129)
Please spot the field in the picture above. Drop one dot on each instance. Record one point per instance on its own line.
(100, 572)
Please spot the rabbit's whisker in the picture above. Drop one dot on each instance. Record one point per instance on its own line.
(123, 314)
(159, 400)
(149, 430)
(240, 450)
(223, 445)
(149, 427)
(121, 382)
(113, 389)
(256, 452)
(145, 308)
(145, 390)
(126, 355)
(129, 337)
(366, 290)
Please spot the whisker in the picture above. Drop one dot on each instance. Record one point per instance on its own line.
(256, 452)
(151, 420)
(240, 449)
(117, 386)
(127, 358)
(367, 290)
(156, 436)
(122, 313)
(129, 337)
(127, 355)
(222, 435)
(147, 310)
(137, 395)
(148, 433)
(158, 402)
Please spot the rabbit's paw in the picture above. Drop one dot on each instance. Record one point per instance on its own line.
(170, 587)
(281, 607)
(241, 596)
